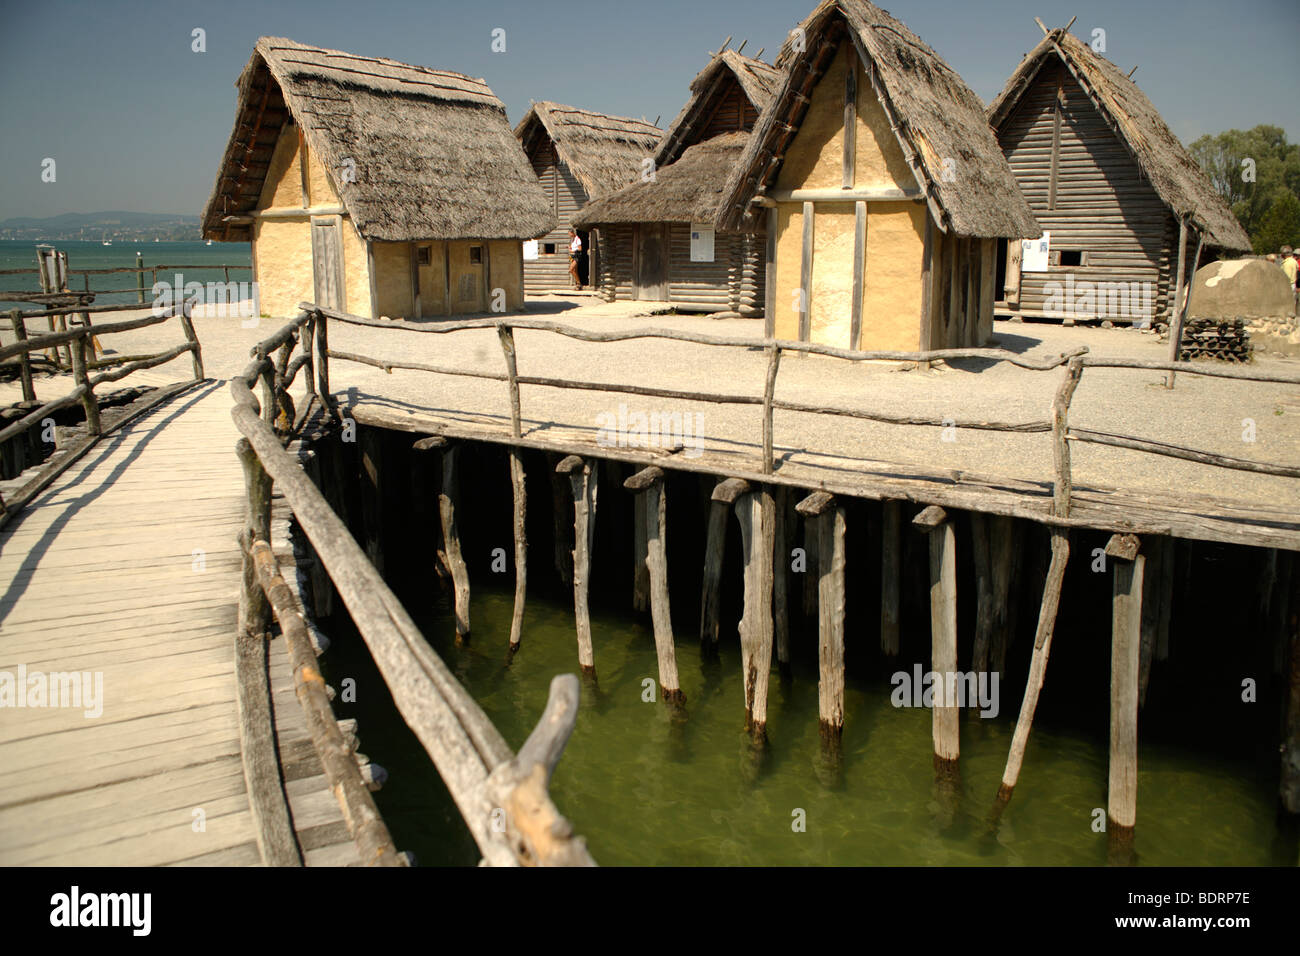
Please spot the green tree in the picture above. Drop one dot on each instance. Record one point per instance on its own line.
(1280, 226)
(1255, 170)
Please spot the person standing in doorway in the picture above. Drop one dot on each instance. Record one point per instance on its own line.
(575, 256)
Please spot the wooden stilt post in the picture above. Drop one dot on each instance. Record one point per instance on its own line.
(1121, 803)
(372, 495)
(640, 570)
(649, 485)
(724, 496)
(980, 542)
(891, 562)
(829, 513)
(1037, 664)
(518, 484)
(562, 530)
(448, 495)
(756, 512)
(811, 549)
(935, 522)
(582, 481)
(782, 512)
(438, 444)
(1002, 553)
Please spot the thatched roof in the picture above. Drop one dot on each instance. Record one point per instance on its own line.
(935, 115)
(603, 152)
(756, 79)
(1174, 175)
(689, 190)
(434, 156)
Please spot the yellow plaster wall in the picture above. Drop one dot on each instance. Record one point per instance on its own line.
(356, 271)
(320, 188)
(433, 279)
(892, 293)
(282, 188)
(458, 252)
(393, 279)
(505, 272)
(815, 157)
(789, 252)
(282, 254)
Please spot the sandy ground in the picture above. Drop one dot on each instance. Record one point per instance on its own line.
(1211, 414)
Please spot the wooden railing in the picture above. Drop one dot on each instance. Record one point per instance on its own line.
(140, 291)
(1073, 362)
(501, 796)
(78, 344)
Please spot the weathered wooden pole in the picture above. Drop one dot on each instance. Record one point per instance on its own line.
(582, 481)
(1176, 314)
(1037, 664)
(891, 562)
(756, 512)
(448, 495)
(1126, 625)
(936, 523)
(88, 402)
(725, 493)
(829, 513)
(517, 482)
(372, 495)
(1063, 486)
(648, 484)
(24, 359)
(254, 609)
(784, 515)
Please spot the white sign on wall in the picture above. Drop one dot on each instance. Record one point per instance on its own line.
(701, 243)
(530, 249)
(1034, 253)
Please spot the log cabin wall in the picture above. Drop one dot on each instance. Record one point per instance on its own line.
(732, 282)
(1089, 193)
(550, 270)
(732, 112)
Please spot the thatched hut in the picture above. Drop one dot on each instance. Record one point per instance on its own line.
(1115, 191)
(658, 237)
(374, 186)
(883, 189)
(578, 155)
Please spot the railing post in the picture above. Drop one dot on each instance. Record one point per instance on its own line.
(269, 403)
(1061, 451)
(323, 369)
(139, 278)
(195, 351)
(309, 366)
(82, 380)
(254, 609)
(773, 364)
(24, 359)
(517, 481)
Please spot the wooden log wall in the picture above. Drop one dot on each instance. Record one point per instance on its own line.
(550, 271)
(735, 281)
(961, 291)
(1086, 189)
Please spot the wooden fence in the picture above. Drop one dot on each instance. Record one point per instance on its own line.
(1074, 363)
(140, 291)
(501, 796)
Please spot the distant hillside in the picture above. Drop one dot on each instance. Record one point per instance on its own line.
(99, 225)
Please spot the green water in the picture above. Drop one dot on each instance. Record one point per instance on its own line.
(645, 788)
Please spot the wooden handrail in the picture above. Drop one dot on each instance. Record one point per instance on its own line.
(481, 773)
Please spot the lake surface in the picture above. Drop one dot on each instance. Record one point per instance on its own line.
(88, 254)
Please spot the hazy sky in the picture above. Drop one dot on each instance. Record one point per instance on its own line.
(135, 120)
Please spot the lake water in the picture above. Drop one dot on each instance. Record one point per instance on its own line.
(88, 254)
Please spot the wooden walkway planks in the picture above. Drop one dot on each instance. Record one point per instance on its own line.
(127, 568)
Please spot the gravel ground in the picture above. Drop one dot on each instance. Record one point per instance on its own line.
(1201, 412)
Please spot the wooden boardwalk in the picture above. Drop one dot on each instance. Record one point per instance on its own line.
(127, 569)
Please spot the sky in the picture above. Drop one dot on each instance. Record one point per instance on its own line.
(136, 120)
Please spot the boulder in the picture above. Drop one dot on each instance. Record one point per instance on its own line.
(1241, 287)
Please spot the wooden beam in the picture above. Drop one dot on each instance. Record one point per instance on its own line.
(1177, 314)
(648, 484)
(846, 195)
(448, 496)
(805, 274)
(372, 494)
(830, 630)
(859, 269)
(943, 632)
(850, 124)
(724, 494)
(583, 476)
(755, 511)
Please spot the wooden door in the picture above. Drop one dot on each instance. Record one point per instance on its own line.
(650, 263)
(1012, 286)
(327, 261)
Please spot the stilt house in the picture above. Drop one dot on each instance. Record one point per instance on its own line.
(578, 155)
(883, 189)
(1116, 192)
(376, 187)
(658, 237)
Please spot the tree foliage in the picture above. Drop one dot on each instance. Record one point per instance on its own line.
(1258, 172)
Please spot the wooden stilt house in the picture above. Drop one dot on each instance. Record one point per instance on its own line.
(374, 186)
(578, 155)
(883, 189)
(658, 237)
(1115, 191)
